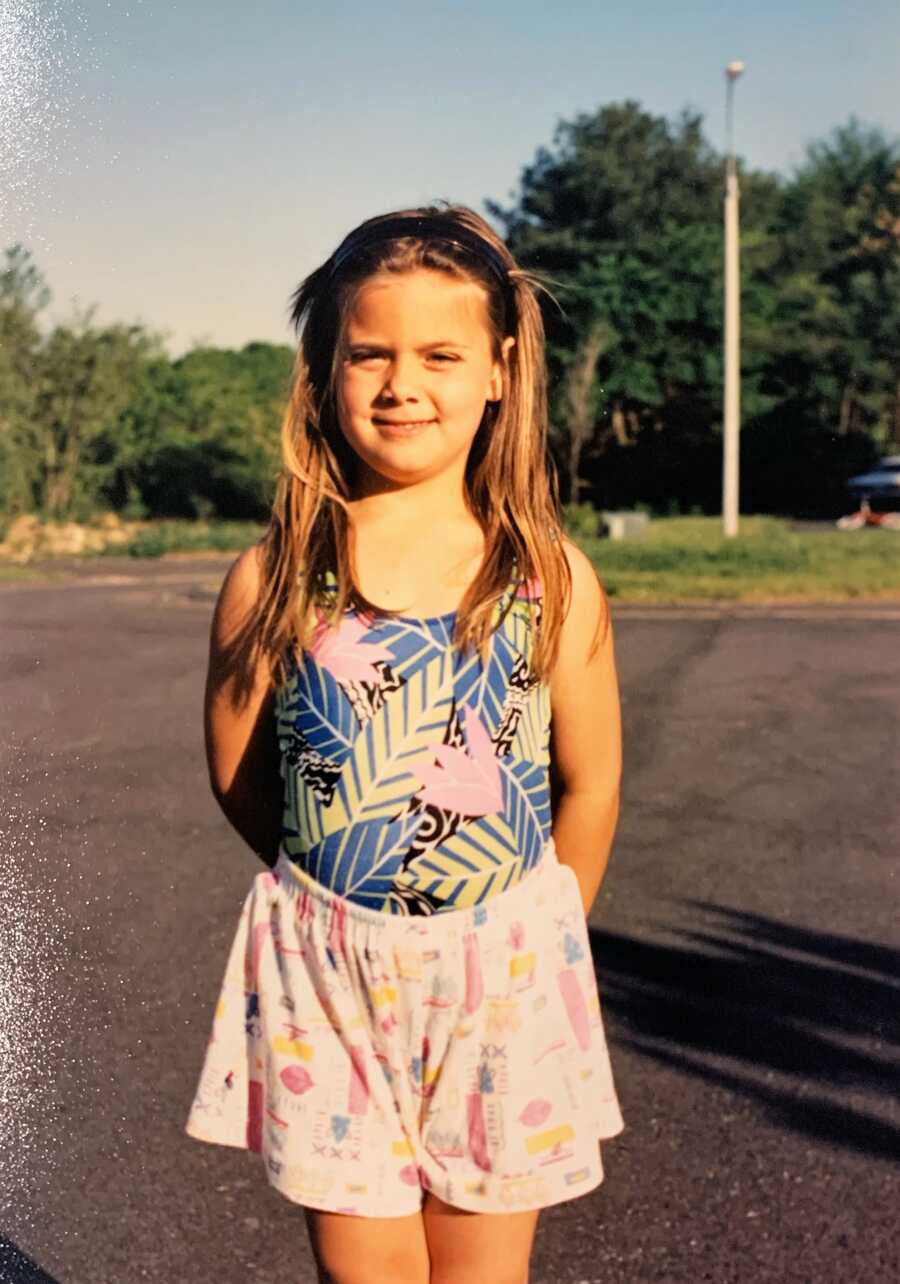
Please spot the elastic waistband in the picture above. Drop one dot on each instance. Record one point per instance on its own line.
(296, 882)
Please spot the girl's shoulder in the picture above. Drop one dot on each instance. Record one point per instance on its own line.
(587, 614)
(241, 586)
(235, 637)
(581, 568)
(248, 564)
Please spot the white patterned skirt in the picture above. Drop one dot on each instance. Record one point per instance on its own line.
(369, 1058)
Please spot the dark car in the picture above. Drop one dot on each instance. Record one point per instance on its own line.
(881, 487)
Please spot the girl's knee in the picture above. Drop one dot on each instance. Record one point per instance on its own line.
(514, 1273)
(368, 1250)
(400, 1266)
(373, 1272)
(478, 1248)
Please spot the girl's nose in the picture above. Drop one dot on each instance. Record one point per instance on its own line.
(399, 384)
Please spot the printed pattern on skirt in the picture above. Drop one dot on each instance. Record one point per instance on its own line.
(368, 1058)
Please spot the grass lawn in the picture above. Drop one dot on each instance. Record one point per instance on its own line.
(683, 559)
(680, 559)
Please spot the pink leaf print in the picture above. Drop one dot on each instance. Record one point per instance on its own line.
(531, 590)
(465, 782)
(340, 651)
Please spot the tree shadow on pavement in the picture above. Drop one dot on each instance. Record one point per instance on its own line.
(17, 1268)
(805, 1023)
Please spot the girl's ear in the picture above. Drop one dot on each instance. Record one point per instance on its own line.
(499, 366)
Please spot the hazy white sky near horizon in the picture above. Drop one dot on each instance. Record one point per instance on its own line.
(184, 164)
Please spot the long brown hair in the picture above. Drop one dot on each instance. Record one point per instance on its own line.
(510, 482)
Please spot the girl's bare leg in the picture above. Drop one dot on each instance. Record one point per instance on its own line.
(477, 1248)
(368, 1250)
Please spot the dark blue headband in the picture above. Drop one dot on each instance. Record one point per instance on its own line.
(434, 228)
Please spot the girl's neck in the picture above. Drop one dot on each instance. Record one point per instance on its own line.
(415, 548)
(435, 501)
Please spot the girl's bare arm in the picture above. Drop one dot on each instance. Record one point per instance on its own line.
(586, 736)
(241, 745)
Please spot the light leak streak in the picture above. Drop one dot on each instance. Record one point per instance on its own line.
(28, 1026)
(44, 49)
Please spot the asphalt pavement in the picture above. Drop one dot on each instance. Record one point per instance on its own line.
(747, 941)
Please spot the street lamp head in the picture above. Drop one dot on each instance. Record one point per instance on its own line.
(734, 69)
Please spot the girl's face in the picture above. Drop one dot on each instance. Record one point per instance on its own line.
(416, 370)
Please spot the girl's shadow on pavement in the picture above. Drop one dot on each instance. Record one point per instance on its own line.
(800, 1021)
(17, 1268)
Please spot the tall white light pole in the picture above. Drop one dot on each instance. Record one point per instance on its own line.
(732, 402)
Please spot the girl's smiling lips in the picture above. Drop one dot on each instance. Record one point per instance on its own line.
(402, 426)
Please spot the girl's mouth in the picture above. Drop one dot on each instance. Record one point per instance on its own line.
(401, 428)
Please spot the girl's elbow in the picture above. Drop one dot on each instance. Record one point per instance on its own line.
(221, 779)
(605, 789)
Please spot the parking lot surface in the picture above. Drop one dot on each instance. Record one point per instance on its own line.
(746, 939)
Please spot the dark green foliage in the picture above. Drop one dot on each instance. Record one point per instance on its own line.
(99, 417)
(22, 296)
(623, 215)
(793, 466)
(204, 434)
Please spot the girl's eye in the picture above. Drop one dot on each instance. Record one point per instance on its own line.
(371, 357)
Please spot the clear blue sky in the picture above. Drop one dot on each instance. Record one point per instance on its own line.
(184, 164)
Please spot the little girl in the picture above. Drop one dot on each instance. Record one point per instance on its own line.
(409, 1031)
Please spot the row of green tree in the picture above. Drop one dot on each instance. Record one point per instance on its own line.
(624, 210)
(98, 417)
(622, 215)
